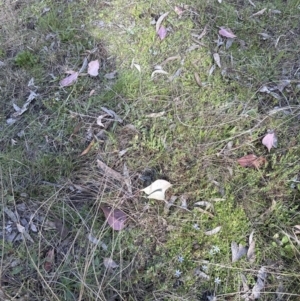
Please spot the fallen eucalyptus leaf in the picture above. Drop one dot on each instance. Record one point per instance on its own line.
(213, 231)
(69, 80)
(115, 217)
(237, 251)
(227, 33)
(138, 67)
(260, 283)
(158, 71)
(156, 115)
(159, 21)
(162, 32)
(259, 13)
(217, 59)
(93, 68)
(198, 80)
(270, 140)
(157, 189)
(112, 114)
(49, 260)
(251, 249)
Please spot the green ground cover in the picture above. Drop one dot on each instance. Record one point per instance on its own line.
(184, 119)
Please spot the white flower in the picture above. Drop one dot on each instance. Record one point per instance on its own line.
(204, 268)
(196, 227)
(178, 273)
(180, 259)
(217, 280)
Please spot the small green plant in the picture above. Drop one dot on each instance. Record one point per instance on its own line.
(25, 59)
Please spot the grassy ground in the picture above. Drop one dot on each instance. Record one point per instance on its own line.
(54, 194)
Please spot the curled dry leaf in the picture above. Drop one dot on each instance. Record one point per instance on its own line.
(198, 80)
(157, 189)
(88, 148)
(270, 140)
(251, 249)
(138, 67)
(158, 71)
(93, 68)
(69, 80)
(159, 21)
(213, 231)
(115, 217)
(227, 33)
(49, 260)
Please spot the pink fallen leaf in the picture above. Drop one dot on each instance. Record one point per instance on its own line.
(49, 260)
(178, 10)
(227, 33)
(93, 68)
(69, 80)
(115, 217)
(270, 140)
(162, 32)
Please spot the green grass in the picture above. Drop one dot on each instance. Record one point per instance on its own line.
(194, 145)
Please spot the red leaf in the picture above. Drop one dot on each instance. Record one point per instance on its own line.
(247, 161)
(115, 217)
(162, 32)
(251, 161)
(270, 140)
(227, 33)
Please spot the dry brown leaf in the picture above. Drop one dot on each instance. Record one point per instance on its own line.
(110, 172)
(251, 161)
(49, 260)
(88, 148)
(259, 13)
(259, 162)
(247, 161)
(198, 80)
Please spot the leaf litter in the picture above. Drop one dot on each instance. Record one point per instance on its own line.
(116, 218)
(93, 68)
(270, 140)
(252, 160)
(109, 263)
(69, 80)
(157, 190)
(227, 33)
